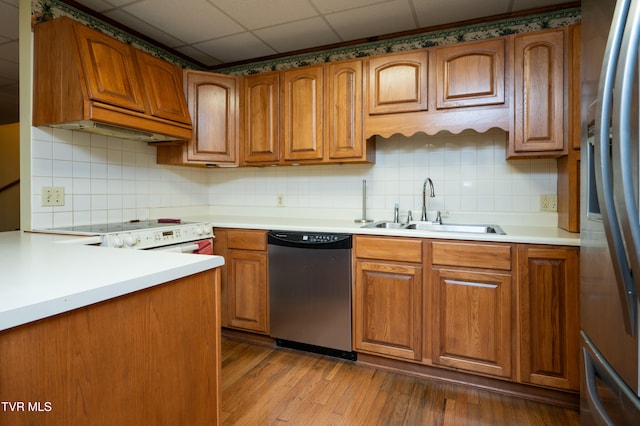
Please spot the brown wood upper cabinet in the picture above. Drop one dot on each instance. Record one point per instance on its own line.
(307, 115)
(540, 93)
(213, 104)
(260, 113)
(398, 83)
(470, 74)
(81, 74)
(344, 113)
(302, 133)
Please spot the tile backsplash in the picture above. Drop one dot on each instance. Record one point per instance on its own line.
(469, 172)
(110, 179)
(106, 179)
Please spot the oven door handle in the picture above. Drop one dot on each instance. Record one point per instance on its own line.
(184, 248)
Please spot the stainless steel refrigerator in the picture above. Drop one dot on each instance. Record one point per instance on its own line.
(610, 222)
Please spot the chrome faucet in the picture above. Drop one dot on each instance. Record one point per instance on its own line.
(396, 213)
(432, 194)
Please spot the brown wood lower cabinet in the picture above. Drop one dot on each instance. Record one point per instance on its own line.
(471, 307)
(472, 321)
(499, 310)
(149, 357)
(388, 296)
(548, 316)
(245, 295)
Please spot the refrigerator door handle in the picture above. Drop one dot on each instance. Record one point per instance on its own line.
(603, 169)
(625, 160)
(606, 393)
(598, 410)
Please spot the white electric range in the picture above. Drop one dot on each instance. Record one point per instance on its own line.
(156, 234)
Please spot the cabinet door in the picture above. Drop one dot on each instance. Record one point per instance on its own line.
(261, 100)
(343, 117)
(247, 290)
(110, 70)
(539, 92)
(388, 309)
(212, 100)
(472, 322)
(549, 324)
(163, 88)
(470, 74)
(398, 83)
(302, 102)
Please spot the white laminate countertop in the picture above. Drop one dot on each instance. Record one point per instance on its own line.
(44, 276)
(521, 233)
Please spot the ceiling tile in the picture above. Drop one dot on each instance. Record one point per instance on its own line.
(142, 27)
(200, 21)
(298, 35)
(9, 51)
(532, 4)
(198, 55)
(8, 71)
(260, 14)
(381, 18)
(8, 21)
(235, 48)
(437, 12)
(100, 5)
(332, 6)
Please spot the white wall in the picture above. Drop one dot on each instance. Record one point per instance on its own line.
(469, 172)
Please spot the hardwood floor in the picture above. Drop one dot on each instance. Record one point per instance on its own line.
(268, 386)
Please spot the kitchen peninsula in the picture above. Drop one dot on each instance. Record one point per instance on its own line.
(94, 335)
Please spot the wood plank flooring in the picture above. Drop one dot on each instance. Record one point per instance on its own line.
(275, 386)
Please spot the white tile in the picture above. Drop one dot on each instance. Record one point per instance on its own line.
(62, 168)
(62, 151)
(41, 167)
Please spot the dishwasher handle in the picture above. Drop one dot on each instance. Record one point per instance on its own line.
(315, 241)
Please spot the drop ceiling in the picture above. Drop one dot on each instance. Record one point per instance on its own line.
(215, 32)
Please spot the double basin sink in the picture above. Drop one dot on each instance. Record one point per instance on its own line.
(437, 227)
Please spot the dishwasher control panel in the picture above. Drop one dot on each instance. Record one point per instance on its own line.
(307, 239)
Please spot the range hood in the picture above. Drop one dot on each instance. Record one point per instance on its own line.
(114, 131)
(88, 81)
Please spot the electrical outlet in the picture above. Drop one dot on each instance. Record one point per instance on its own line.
(549, 203)
(53, 195)
(280, 200)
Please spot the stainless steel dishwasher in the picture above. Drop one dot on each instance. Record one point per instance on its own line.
(310, 291)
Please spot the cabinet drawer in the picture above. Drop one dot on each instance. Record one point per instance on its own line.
(400, 249)
(489, 256)
(247, 239)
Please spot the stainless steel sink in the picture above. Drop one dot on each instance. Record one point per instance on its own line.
(435, 227)
(387, 225)
(456, 227)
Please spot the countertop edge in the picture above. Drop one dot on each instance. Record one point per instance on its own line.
(514, 234)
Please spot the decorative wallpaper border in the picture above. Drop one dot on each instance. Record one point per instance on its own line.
(47, 9)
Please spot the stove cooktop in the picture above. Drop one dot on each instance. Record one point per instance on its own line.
(109, 228)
